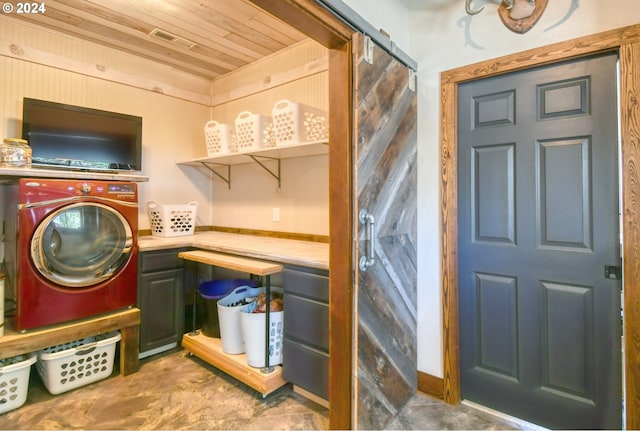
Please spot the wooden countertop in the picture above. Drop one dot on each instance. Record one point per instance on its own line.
(288, 251)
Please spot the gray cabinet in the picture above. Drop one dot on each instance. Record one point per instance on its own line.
(160, 299)
(306, 329)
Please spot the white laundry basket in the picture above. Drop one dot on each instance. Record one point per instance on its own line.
(71, 365)
(172, 220)
(219, 138)
(250, 130)
(14, 381)
(295, 123)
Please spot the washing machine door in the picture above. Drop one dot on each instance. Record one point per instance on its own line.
(81, 244)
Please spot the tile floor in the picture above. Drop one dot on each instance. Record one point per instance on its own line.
(176, 391)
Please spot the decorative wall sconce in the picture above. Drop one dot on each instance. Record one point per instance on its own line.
(518, 16)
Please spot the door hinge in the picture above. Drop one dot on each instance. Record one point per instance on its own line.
(368, 49)
(413, 76)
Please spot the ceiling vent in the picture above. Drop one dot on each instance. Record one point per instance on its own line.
(172, 38)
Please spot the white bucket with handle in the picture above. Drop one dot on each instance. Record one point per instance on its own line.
(229, 318)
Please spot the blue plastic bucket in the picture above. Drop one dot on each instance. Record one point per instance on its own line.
(212, 291)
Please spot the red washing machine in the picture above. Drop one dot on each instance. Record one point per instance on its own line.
(75, 249)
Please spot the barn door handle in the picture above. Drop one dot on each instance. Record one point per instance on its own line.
(368, 259)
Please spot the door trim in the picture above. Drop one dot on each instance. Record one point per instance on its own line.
(321, 25)
(626, 41)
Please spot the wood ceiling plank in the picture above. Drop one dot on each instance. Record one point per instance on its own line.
(239, 39)
(227, 34)
(111, 24)
(281, 27)
(200, 64)
(239, 32)
(311, 18)
(254, 18)
(234, 34)
(208, 72)
(188, 25)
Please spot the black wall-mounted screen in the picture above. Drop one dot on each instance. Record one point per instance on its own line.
(74, 137)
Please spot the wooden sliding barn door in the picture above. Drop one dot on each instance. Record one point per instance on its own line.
(385, 369)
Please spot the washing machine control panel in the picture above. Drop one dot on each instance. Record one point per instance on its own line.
(122, 188)
(43, 190)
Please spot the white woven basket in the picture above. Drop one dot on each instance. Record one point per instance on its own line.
(295, 123)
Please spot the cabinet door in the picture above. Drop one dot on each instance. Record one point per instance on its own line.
(161, 306)
(306, 321)
(152, 261)
(306, 367)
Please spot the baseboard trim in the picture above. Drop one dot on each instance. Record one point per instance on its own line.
(313, 397)
(431, 385)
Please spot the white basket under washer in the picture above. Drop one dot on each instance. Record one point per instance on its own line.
(14, 381)
(295, 123)
(219, 138)
(172, 220)
(250, 130)
(71, 365)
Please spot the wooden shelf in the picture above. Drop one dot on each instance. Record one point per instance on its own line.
(304, 149)
(15, 173)
(267, 158)
(237, 263)
(210, 350)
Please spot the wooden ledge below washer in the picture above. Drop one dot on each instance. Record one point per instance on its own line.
(127, 321)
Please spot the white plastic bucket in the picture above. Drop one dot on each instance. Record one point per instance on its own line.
(253, 331)
(229, 318)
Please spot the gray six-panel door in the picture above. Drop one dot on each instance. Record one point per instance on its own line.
(538, 212)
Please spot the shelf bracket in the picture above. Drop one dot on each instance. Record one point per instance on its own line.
(218, 174)
(275, 175)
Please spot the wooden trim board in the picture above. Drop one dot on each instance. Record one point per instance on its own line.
(431, 385)
(310, 396)
(272, 234)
